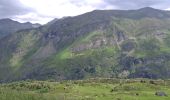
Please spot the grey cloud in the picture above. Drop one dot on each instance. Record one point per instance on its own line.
(80, 3)
(14, 8)
(135, 4)
(10, 8)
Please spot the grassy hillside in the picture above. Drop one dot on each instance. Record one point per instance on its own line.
(92, 89)
(128, 44)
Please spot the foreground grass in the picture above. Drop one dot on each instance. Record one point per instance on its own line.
(92, 89)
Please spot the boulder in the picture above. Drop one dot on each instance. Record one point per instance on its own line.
(161, 93)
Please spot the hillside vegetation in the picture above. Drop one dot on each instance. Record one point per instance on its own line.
(92, 89)
(107, 44)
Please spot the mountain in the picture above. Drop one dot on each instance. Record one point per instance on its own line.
(101, 43)
(8, 26)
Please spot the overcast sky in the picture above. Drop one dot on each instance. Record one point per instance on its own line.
(42, 11)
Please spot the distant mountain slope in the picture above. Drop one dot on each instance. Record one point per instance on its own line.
(8, 26)
(111, 43)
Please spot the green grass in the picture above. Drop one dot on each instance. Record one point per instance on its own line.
(91, 89)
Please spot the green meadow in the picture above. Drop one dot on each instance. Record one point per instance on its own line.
(91, 89)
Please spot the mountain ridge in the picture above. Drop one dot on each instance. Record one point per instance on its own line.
(119, 44)
(9, 26)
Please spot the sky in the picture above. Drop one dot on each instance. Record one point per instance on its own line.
(42, 11)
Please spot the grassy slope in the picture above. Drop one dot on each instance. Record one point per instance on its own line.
(66, 60)
(106, 56)
(102, 61)
(93, 89)
(135, 29)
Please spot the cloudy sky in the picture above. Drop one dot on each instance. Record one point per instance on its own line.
(42, 11)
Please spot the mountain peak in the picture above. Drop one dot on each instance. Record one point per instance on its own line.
(6, 20)
(147, 9)
(9, 26)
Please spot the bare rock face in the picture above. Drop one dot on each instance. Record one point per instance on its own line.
(97, 43)
(82, 47)
(120, 36)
